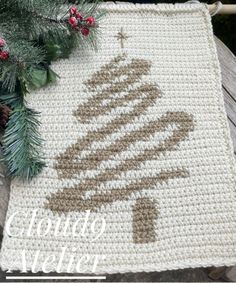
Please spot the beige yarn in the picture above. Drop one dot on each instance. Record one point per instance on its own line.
(137, 134)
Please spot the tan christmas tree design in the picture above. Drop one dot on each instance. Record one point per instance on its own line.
(118, 83)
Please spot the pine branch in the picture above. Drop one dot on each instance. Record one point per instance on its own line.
(21, 141)
(33, 33)
(24, 56)
(39, 18)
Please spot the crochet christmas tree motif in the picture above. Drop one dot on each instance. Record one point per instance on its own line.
(118, 87)
(139, 142)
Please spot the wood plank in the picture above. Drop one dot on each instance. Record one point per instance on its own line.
(228, 71)
(230, 105)
(228, 67)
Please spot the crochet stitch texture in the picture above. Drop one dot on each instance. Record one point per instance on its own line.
(136, 134)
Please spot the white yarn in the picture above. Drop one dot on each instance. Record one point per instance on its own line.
(195, 224)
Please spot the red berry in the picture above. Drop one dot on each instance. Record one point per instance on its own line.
(73, 10)
(73, 21)
(2, 42)
(79, 16)
(85, 31)
(4, 55)
(90, 21)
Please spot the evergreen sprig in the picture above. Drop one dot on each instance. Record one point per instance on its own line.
(24, 57)
(21, 141)
(36, 32)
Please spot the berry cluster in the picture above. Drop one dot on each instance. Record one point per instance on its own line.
(78, 23)
(4, 55)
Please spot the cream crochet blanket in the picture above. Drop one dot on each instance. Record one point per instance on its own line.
(136, 138)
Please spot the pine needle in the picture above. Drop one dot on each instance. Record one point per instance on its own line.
(21, 141)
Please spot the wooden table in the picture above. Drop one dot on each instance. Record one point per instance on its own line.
(228, 71)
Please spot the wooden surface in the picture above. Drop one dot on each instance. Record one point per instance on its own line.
(228, 71)
(226, 9)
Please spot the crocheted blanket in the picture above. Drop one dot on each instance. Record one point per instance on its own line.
(141, 175)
